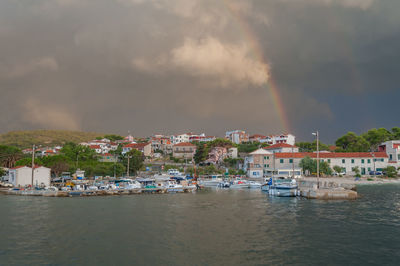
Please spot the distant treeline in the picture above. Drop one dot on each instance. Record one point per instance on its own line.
(50, 138)
(351, 142)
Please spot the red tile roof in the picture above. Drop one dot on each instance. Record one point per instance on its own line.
(184, 144)
(331, 155)
(95, 147)
(280, 145)
(257, 136)
(136, 145)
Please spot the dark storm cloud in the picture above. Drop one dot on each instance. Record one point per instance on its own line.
(170, 66)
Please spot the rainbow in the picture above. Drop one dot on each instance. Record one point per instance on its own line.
(251, 38)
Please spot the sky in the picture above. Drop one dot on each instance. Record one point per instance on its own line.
(173, 66)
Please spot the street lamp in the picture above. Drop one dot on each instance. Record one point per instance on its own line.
(317, 135)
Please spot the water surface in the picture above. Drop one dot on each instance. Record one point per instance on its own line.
(211, 227)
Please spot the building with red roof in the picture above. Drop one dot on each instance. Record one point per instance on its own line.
(184, 150)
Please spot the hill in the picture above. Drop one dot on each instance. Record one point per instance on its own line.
(25, 139)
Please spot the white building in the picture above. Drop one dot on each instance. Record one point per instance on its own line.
(392, 149)
(365, 161)
(263, 163)
(22, 176)
(282, 147)
(282, 138)
(237, 136)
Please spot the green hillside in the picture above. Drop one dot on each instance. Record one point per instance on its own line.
(25, 139)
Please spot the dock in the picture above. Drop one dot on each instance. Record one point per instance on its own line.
(327, 190)
(89, 193)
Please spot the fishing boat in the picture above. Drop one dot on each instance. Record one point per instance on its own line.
(211, 181)
(172, 186)
(224, 184)
(254, 185)
(281, 187)
(239, 183)
(127, 183)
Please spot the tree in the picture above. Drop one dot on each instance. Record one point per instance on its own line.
(350, 142)
(9, 155)
(376, 136)
(356, 170)
(337, 169)
(390, 171)
(113, 137)
(2, 171)
(311, 146)
(307, 164)
(395, 133)
(57, 163)
(310, 165)
(248, 146)
(135, 161)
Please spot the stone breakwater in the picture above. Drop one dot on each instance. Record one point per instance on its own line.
(327, 190)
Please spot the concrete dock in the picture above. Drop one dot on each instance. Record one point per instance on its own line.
(327, 190)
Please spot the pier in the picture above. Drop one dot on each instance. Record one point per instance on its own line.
(89, 193)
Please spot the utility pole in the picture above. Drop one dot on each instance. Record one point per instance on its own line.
(127, 168)
(293, 163)
(317, 135)
(33, 163)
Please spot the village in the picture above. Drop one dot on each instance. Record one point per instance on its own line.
(188, 156)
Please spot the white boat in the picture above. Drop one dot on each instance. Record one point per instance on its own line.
(172, 186)
(213, 181)
(92, 188)
(162, 177)
(281, 187)
(127, 184)
(51, 188)
(224, 184)
(240, 184)
(254, 184)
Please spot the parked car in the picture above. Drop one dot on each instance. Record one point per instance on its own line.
(375, 173)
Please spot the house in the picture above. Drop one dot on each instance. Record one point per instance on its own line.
(276, 139)
(263, 162)
(237, 136)
(22, 176)
(184, 150)
(201, 138)
(282, 147)
(96, 148)
(365, 161)
(392, 149)
(256, 138)
(145, 148)
(258, 162)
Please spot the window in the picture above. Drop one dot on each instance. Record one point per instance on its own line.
(329, 160)
(369, 169)
(362, 161)
(265, 157)
(391, 156)
(352, 160)
(343, 161)
(267, 165)
(382, 160)
(281, 161)
(290, 160)
(369, 160)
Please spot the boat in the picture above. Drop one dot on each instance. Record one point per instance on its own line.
(172, 186)
(239, 183)
(212, 181)
(224, 184)
(281, 187)
(254, 184)
(127, 183)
